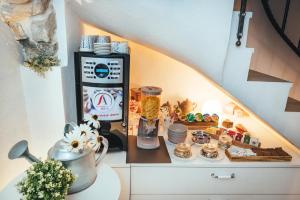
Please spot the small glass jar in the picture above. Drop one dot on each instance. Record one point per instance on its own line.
(209, 150)
(150, 100)
(183, 150)
(200, 138)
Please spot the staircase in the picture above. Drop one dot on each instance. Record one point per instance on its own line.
(265, 95)
(292, 105)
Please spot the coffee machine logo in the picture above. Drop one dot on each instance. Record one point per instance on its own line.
(103, 100)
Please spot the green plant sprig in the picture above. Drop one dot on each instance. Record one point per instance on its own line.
(48, 180)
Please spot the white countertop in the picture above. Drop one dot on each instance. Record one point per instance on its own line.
(118, 159)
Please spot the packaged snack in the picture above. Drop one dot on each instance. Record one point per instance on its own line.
(227, 123)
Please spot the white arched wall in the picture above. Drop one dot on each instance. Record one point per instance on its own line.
(178, 81)
(195, 32)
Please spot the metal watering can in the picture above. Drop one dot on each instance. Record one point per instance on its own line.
(83, 165)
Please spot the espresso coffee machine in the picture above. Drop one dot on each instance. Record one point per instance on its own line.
(102, 89)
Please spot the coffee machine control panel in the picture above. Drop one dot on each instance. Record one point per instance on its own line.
(102, 70)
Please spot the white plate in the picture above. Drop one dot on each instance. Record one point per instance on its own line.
(102, 44)
(102, 48)
(221, 156)
(193, 157)
(103, 53)
(85, 50)
(107, 50)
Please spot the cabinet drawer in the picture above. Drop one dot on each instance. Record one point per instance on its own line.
(178, 180)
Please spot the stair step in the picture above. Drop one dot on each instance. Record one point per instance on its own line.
(292, 105)
(258, 76)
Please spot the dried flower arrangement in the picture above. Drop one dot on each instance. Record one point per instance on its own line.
(48, 180)
(41, 63)
(39, 57)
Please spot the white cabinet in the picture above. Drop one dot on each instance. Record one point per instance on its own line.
(214, 181)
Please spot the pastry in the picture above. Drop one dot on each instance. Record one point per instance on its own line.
(238, 137)
(207, 118)
(183, 150)
(209, 151)
(227, 123)
(198, 117)
(200, 138)
(247, 138)
(240, 128)
(231, 133)
(215, 118)
(254, 141)
(213, 131)
(190, 117)
(225, 141)
(240, 152)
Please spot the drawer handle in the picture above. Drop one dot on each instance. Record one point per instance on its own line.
(232, 176)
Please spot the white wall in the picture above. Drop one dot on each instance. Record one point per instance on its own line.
(73, 34)
(178, 81)
(32, 107)
(195, 32)
(13, 118)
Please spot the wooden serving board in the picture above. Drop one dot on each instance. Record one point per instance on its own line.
(262, 155)
(198, 125)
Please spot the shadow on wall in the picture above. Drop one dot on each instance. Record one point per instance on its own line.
(13, 117)
(178, 81)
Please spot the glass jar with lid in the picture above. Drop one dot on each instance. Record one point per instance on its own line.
(148, 124)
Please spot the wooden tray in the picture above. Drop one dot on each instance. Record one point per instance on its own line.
(198, 125)
(263, 155)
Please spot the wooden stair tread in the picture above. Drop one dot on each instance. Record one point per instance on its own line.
(258, 76)
(292, 105)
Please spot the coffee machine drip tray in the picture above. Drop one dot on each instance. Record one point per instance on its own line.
(138, 155)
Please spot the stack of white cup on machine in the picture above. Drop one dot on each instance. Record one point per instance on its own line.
(102, 45)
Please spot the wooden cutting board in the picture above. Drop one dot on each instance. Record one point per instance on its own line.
(263, 155)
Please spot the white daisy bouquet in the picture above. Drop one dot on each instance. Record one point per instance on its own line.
(48, 180)
(83, 136)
